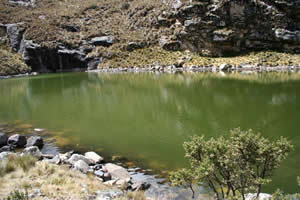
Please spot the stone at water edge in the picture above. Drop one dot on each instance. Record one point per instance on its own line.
(64, 157)
(225, 67)
(6, 148)
(117, 172)
(3, 139)
(33, 151)
(93, 157)
(76, 157)
(18, 140)
(262, 196)
(35, 141)
(81, 166)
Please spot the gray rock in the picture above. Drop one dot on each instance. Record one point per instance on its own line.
(117, 172)
(7, 148)
(35, 141)
(33, 151)
(93, 157)
(65, 157)
(135, 45)
(81, 166)
(286, 35)
(99, 173)
(140, 186)
(18, 140)
(93, 64)
(56, 160)
(105, 41)
(108, 194)
(3, 139)
(15, 36)
(75, 157)
(25, 3)
(225, 67)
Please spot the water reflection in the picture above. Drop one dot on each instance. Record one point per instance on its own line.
(146, 117)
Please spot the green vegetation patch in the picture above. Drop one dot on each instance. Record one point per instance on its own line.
(11, 63)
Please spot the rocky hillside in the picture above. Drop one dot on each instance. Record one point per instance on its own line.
(66, 34)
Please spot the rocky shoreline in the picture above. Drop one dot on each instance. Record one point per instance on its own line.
(109, 174)
(243, 69)
(224, 68)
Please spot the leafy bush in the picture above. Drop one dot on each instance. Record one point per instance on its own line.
(232, 167)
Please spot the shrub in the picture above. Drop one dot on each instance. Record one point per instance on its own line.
(232, 167)
(17, 195)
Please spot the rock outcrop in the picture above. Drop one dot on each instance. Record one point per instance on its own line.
(219, 27)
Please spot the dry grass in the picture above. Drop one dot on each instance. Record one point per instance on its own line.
(55, 182)
(47, 22)
(155, 55)
(24, 174)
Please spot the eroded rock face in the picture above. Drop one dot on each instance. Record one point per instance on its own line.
(221, 27)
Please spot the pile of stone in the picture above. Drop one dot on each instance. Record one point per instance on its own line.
(108, 173)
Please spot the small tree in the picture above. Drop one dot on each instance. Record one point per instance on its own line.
(232, 167)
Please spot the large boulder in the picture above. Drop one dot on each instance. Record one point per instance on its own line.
(75, 157)
(35, 141)
(17, 140)
(81, 166)
(3, 139)
(117, 172)
(93, 157)
(33, 151)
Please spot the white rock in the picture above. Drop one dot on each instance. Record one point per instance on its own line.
(110, 183)
(117, 172)
(94, 157)
(81, 166)
(76, 157)
(262, 196)
(33, 151)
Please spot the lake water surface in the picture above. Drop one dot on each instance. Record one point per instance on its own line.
(147, 117)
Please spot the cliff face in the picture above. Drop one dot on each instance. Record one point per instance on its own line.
(218, 27)
(61, 35)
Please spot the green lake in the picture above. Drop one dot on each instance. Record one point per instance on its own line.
(146, 117)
